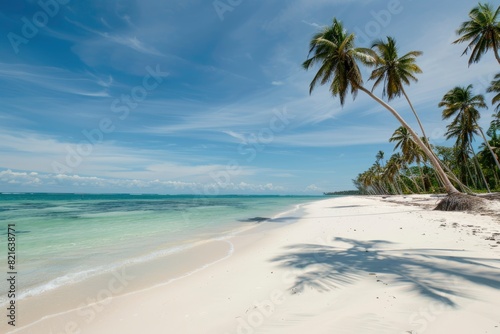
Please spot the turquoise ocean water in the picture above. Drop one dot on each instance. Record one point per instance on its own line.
(66, 238)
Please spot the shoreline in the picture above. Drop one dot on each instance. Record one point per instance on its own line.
(71, 240)
(347, 264)
(86, 296)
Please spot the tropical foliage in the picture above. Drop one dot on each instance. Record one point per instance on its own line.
(482, 32)
(334, 51)
(416, 165)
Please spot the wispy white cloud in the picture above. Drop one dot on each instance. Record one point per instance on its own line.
(227, 81)
(313, 187)
(56, 79)
(131, 42)
(34, 181)
(111, 160)
(338, 136)
(240, 137)
(312, 24)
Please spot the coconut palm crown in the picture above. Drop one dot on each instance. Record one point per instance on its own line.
(482, 32)
(462, 100)
(462, 103)
(392, 70)
(333, 50)
(395, 72)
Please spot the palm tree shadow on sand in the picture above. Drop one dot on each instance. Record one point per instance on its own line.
(435, 276)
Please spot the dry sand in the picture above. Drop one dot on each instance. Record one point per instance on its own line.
(347, 265)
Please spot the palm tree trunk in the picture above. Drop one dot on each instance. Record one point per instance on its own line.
(455, 178)
(489, 147)
(472, 179)
(478, 166)
(449, 187)
(418, 190)
(427, 138)
(402, 183)
(415, 113)
(397, 184)
(421, 171)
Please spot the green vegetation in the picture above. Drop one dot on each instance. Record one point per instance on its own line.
(343, 193)
(416, 165)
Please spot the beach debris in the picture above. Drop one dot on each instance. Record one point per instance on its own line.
(460, 202)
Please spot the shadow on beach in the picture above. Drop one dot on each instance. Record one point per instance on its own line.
(257, 220)
(426, 271)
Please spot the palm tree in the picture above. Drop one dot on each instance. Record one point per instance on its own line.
(404, 141)
(484, 155)
(463, 128)
(395, 72)
(461, 101)
(393, 169)
(380, 158)
(334, 51)
(391, 173)
(495, 88)
(371, 180)
(411, 152)
(482, 32)
(495, 122)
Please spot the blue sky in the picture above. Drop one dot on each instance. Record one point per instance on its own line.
(205, 97)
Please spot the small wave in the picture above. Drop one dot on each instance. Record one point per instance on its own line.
(83, 275)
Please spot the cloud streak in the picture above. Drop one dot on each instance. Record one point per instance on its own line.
(227, 82)
(11, 181)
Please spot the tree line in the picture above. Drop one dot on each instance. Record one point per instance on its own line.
(417, 166)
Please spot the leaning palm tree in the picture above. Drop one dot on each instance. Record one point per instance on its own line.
(484, 155)
(411, 152)
(463, 128)
(393, 169)
(404, 141)
(333, 49)
(482, 32)
(462, 103)
(395, 72)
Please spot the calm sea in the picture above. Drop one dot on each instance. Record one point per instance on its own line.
(67, 238)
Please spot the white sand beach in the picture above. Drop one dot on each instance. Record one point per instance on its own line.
(347, 265)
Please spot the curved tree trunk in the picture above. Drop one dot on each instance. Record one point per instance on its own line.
(472, 178)
(415, 183)
(489, 147)
(455, 178)
(497, 182)
(416, 115)
(404, 184)
(397, 182)
(478, 166)
(422, 178)
(450, 188)
(443, 165)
